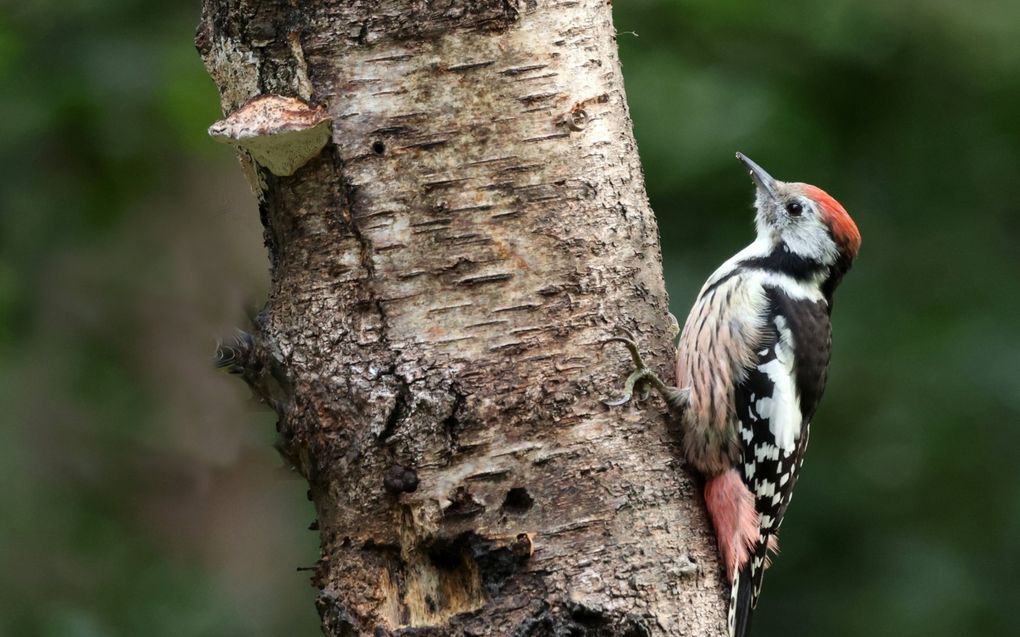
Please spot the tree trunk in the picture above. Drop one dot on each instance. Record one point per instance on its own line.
(456, 219)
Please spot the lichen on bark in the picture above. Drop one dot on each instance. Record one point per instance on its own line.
(443, 274)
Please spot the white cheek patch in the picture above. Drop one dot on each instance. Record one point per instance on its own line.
(809, 237)
(782, 409)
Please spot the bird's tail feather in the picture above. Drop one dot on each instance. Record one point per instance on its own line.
(746, 588)
(740, 602)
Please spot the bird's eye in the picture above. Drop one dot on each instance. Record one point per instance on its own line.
(794, 208)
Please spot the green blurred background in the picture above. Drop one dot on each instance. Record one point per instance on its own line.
(139, 493)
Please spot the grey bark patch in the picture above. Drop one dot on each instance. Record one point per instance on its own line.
(417, 20)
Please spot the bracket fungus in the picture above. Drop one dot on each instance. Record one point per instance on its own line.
(280, 133)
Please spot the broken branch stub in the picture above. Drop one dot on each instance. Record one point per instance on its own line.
(280, 133)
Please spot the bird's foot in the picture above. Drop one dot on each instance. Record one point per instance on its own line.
(643, 379)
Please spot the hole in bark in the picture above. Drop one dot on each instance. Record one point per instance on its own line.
(378, 147)
(450, 556)
(441, 581)
(498, 564)
(518, 500)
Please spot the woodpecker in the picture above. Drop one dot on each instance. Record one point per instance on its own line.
(751, 367)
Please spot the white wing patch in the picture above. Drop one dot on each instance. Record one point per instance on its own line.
(765, 452)
(782, 409)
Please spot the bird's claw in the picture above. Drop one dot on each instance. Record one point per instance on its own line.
(632, 347)
(636, 379)
(639, 379)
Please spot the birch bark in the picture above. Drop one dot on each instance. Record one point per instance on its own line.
(445, 265)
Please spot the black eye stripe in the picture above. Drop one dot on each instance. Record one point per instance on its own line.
(794, 208)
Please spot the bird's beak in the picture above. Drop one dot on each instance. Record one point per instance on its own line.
(762, 179)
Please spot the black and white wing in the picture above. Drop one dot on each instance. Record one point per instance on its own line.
(775, 403)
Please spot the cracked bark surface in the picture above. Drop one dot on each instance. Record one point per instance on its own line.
(443, 273)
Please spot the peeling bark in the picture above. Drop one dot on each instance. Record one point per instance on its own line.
(443, 273)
